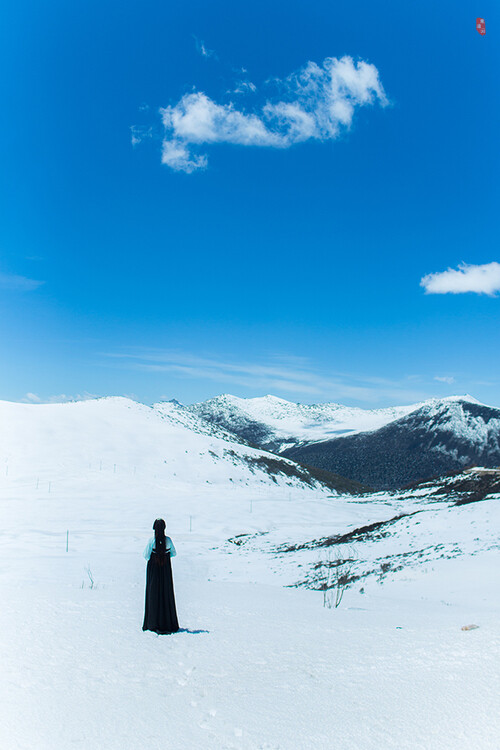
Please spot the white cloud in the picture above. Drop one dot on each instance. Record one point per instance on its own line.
(177, 156)
(244, 87)
(483, 279)
(445, 379)
(317, 102)
(198, 119)
(34, 398)
(19, 283)
(140, 133)
(203, 49)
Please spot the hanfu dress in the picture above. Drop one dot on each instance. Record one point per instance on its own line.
(160, 614)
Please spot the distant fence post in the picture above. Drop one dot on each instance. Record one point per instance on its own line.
(67, 540)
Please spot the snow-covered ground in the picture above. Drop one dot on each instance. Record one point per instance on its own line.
(259, 664)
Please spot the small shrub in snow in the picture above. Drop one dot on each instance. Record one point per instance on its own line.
(92, 583)
(339, 574)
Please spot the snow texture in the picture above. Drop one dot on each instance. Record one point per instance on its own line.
(260, 663)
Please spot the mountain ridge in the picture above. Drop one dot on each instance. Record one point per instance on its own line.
(276, 424)
(433, 440)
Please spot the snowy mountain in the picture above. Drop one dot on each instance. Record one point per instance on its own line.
(275, 424)
(381, 448)
(118, 435)
(438, 437)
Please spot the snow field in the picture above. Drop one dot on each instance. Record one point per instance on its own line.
(257, 666)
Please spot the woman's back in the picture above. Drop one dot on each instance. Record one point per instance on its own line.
(160, 614)
(151, 546)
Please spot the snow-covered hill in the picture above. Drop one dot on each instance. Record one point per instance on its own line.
(260, 663)
(276, 424)
(119, 436)
(438, 437)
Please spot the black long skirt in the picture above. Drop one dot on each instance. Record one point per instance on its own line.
(160, 614)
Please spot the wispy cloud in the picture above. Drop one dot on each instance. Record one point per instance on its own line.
(277, 375)
(316, 102)
(244, 87)
(249, 375)
(445, 379)
(203, 49)
(34, 398)
(18, 283)
(141, 133)
(481, 279)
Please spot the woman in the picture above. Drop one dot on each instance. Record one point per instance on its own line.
(160, 614)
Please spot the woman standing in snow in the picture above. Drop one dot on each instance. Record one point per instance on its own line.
(160, 614)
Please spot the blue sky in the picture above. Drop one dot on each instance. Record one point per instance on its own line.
(292, 261)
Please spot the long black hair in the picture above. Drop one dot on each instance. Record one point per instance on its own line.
(159, 527)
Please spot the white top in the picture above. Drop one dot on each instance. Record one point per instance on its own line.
(169, 545)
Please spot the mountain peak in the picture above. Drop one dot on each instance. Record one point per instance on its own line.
(463, 397)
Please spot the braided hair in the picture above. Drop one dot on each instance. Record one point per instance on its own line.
(159, 527)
